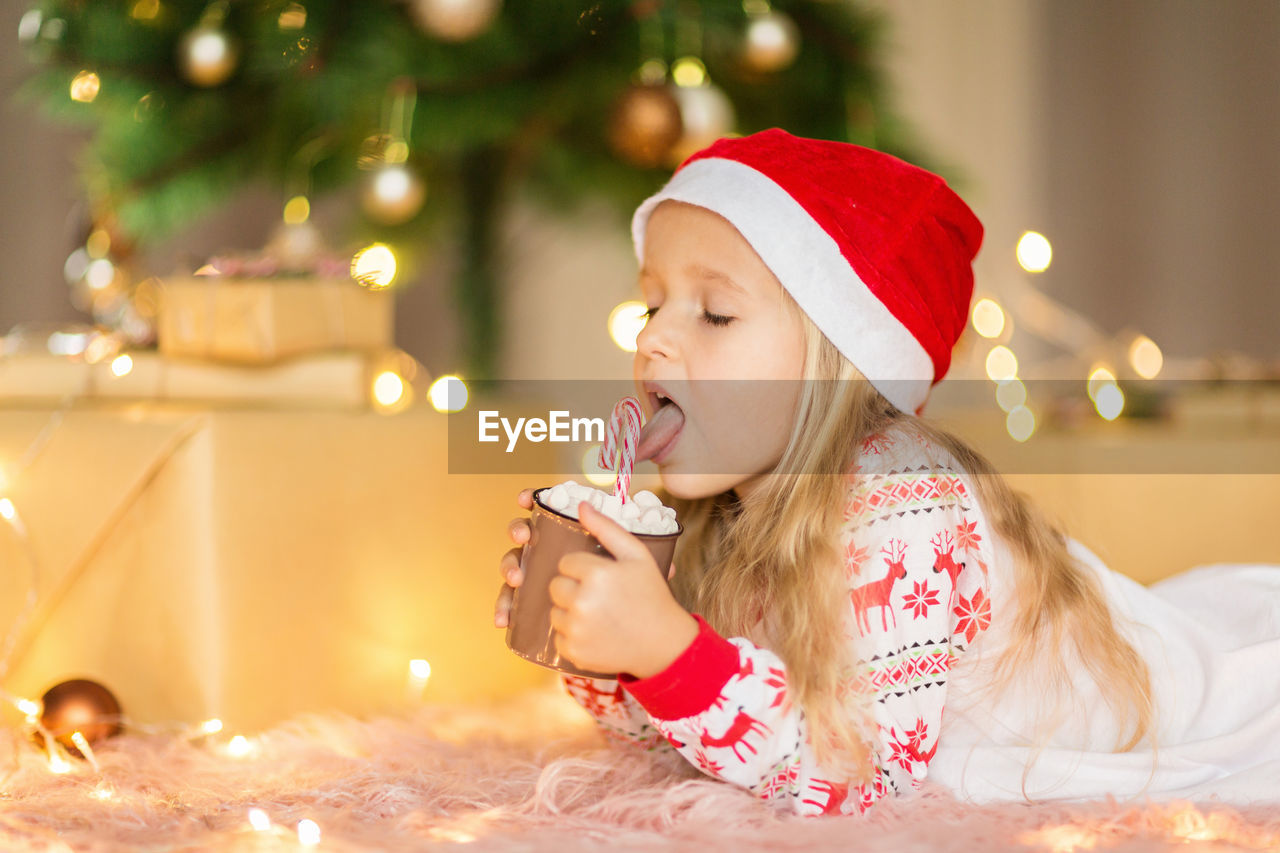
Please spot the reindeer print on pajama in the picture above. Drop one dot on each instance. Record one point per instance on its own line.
(916, 552)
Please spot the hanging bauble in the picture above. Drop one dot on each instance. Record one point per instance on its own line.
(455, 20)
(207, 55)
(81, 706)
(770, 43)
(644, 124)
(706, 114)
(393, 193)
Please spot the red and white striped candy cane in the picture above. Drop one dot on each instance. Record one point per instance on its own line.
(624, 424)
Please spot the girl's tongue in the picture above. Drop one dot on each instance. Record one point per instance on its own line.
(659, 431)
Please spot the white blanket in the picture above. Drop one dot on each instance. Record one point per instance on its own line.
(1211, 639)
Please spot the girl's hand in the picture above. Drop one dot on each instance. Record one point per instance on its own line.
(509, 566)
(617, 615)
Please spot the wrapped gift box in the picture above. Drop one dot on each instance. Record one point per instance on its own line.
(263, 320)
(339, 380)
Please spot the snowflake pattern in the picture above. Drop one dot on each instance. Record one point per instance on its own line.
(920, 599)
(975, 615)
(966, 538)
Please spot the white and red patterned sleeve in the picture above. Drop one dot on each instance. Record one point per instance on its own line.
(619, 717)
(916, 555)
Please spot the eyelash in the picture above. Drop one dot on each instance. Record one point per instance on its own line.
(707, 316)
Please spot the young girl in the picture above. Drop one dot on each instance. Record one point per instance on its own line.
(860, 601)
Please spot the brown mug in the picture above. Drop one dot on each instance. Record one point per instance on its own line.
(551, 536)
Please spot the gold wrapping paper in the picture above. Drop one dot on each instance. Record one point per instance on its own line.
(252, 565)
(258, 321)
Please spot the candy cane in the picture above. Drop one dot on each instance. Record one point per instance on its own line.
(624, 423)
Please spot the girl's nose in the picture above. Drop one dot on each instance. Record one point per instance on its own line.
(655, 339)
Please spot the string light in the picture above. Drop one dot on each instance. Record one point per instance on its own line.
(1010, 394)
(297, 210)
(98, 243)
(211, 727)
(988, 318)
(1021, 423)
(448, 394)
(7, 509)
(122, 365)
(1145, 356)
(102, 793)
(1034, 252)
(82, 744)
(58, 764)
(1001, 363)
(1109, 401)
(239, 747)
(374, 266)
(689, 72)
(99, 274)
(625, 322)
(419, 672)
(85, 87)
(259, 821)
(1099, 377)
(388, 388)
(308, 832)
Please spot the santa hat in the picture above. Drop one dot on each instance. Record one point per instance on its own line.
(876, 251)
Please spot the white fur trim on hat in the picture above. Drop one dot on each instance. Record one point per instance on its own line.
(808, 263)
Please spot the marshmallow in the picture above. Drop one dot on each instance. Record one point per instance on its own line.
(643, 513)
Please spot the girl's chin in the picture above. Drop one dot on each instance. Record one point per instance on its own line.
(694, 486)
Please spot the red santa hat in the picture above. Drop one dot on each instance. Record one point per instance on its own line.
(876, 251)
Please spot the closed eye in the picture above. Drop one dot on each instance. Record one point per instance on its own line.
(707, 317)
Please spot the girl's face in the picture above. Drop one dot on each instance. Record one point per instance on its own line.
(716, 313)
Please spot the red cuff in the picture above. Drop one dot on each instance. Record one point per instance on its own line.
(693, 680)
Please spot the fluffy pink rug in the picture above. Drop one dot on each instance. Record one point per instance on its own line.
(529, 775)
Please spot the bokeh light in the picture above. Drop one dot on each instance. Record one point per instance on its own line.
(448, 394)
(85, 87)
(1001, 363)
(1109, 401)
(988, 318)
(1145, 356)
(1021, 423)
(1010, 394)
(625, 323)
(374, 266)
(1034, 251)
(388, 388)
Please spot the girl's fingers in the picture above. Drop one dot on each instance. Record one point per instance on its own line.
(525, 499)
(509, 567)
(518, 530)
(502, 607)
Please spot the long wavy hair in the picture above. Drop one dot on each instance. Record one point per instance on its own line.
(769, 567)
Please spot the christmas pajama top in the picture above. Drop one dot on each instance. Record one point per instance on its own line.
(930, 598)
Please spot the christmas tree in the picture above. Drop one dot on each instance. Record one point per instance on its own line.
(438, 108)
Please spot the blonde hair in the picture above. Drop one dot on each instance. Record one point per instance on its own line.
(774, 555)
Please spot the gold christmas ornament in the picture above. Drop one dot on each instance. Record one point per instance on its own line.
(393, 193)
(770, 43)
(645, 123)
(706, 114)
(455, 20)
(207, 56)
(80, 706)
